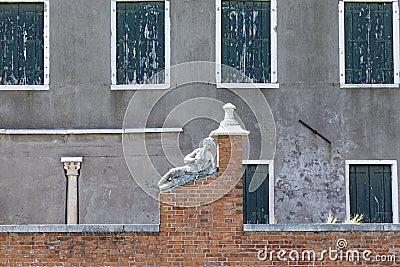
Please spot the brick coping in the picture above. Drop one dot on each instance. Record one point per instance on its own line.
(155, 228)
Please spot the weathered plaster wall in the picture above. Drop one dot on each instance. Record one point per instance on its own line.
(360, 123)
(33, 183)
(79, 95)
(211, 234)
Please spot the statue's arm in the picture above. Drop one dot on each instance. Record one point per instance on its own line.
(191, 157)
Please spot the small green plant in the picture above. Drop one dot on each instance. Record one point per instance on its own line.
(355, 219)
(330, 218)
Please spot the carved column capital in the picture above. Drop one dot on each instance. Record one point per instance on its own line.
(72, 165)
(72, 168)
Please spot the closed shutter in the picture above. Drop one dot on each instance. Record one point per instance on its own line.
(256, 194)
(369, 43)
(21, 51)
(371, 192)
(140, 42)
(246, 44)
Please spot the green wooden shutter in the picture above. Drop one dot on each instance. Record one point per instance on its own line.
(22, 38)
(369, 43)
(140, 42)
(371, 192)
(246, 45)
(256, 194)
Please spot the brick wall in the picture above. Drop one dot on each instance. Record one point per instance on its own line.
(200, 225)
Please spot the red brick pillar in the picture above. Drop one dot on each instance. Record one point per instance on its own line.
(197, 219)
(229, 153)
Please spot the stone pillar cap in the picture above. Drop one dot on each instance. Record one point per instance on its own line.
(229, 126)
(71, 159)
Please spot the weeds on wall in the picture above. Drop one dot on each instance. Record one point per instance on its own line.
(354, 219)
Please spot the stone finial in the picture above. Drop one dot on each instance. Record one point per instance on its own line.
(229, 109)
(229, 126)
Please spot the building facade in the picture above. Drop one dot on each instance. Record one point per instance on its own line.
(98, 79)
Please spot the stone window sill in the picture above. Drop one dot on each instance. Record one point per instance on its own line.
(368, 86)
(24, 87)
(248, 85)
(127, 87)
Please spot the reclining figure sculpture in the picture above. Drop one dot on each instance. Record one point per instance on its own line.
(199, 164)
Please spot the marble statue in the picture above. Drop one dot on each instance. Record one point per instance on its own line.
(199, 164)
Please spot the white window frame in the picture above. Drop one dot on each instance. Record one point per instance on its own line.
(396, 56)
(46, 44)
(274, 52)
(395, 194)
(271, 185)
(114, 85)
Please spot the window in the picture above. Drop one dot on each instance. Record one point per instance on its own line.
(372, 190)
(140, 56)
(246, 44)
(24, 32)
(258, 192)
(368, 40)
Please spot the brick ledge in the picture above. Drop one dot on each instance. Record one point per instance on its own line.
(322, 227)
(80, 228)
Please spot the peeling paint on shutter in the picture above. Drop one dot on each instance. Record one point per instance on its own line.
(246, 45)
(140, 42)
(256, 203)
(369, 43)
(371, 192)
(21, 51)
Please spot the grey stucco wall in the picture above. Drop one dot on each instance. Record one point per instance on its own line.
(33, 182)
(79, 95)
(309, 173)
(360, 123)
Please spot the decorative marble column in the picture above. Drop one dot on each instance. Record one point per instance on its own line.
(72, 166)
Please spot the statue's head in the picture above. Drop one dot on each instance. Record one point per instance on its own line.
(209, 144)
